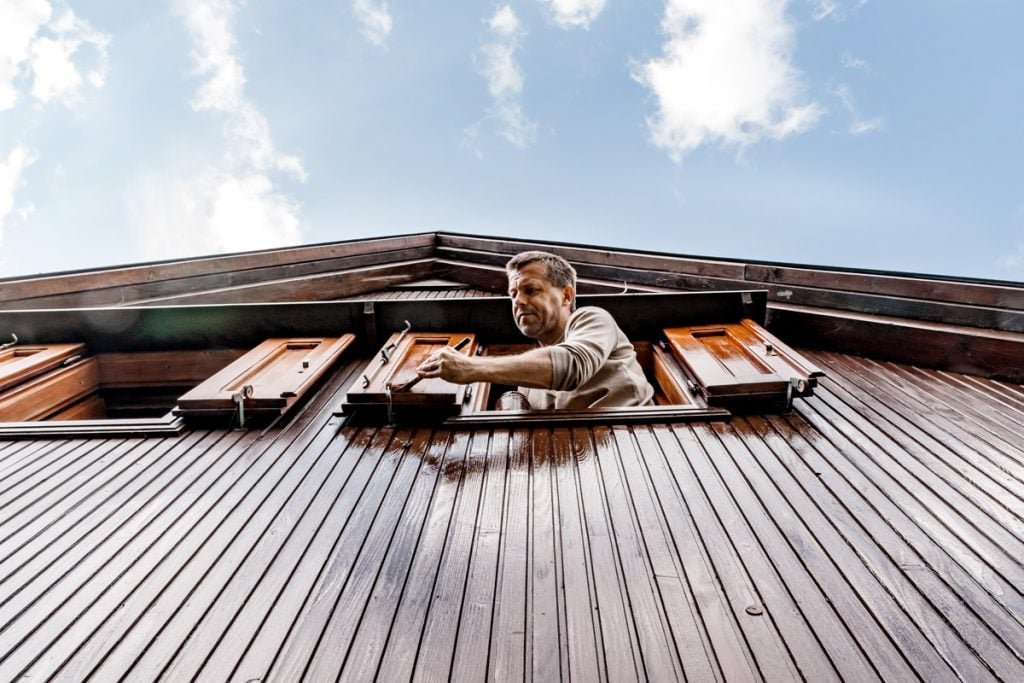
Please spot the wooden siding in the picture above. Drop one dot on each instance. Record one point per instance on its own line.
(874, 533)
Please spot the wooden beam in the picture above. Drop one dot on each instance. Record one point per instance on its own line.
(323, 287)
(597, 256)
(494, 278)
(987, 305)
(31, 287)
(133, 294)
(956, 348)
(960, 292)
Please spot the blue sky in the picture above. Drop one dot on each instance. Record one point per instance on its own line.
(861, 133)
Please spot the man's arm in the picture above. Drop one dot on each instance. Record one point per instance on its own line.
(530, 369)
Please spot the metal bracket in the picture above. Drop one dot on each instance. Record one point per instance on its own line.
(13, 342)
(385, 353)
(239, 398)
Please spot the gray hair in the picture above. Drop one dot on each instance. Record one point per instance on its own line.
(560, 273)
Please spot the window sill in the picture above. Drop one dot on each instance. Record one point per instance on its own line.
(604, 416)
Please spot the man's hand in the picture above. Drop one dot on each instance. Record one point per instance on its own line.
(529, 369)
(450, 365)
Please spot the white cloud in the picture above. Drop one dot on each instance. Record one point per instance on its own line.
(214, 212)
(858, 125)
(11, 171)
(374, 20)
(726, 76)
(46, 48)
(499, 65)
(574, 13)
(235, 206)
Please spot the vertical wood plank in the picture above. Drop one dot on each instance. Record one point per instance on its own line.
(437, 646)
(478, 602)
(399, 655)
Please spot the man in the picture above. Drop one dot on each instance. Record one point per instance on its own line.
(584, 360)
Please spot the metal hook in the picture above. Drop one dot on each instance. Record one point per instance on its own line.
(385, 353)
(13, 342)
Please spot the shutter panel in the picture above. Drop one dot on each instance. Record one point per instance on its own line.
(784, 360)
(47, 394)
(280, 372)
(396, 364)
(670, 378)
(21, 363)
(741, 361)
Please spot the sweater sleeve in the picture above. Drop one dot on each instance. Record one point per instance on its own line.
(589, 339)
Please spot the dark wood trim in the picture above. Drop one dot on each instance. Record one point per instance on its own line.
(61, 283)
(986, 353)
(598, 256)
(619, 256)
(991, 305)
(321, 287)
(905, 287)
(161, 289)
(494, 278)
(612, 275)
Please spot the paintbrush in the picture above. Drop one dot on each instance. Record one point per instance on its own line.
(415, 380)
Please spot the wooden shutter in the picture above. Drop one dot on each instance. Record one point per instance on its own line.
(734, 361)
(49, 393)
(785, 361)
(279, 371)
(21, 363)
(396, 363)
(674, 385)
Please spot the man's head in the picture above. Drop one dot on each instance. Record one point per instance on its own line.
(543, 291)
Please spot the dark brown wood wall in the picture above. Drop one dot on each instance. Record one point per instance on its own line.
(874, 533)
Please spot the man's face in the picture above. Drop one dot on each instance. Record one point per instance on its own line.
(541, 310)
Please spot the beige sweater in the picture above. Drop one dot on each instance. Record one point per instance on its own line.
(594, 366)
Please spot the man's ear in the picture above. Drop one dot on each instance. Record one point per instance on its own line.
(568, 295)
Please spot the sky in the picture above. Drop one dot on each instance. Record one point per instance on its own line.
(853, 133)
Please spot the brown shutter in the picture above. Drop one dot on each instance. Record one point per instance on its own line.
(279, 371)
(395, 365)
(44, 395)
(21, 363)
(670, 378)
(742, 360)
(785, 361)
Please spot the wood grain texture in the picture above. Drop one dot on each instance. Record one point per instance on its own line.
(139, 275)
(875, 532)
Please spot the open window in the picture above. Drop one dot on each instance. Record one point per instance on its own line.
(698, 372)
(64, 390)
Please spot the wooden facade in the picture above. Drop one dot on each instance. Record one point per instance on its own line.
(874, 531)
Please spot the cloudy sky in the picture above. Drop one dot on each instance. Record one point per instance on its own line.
(864, 133)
